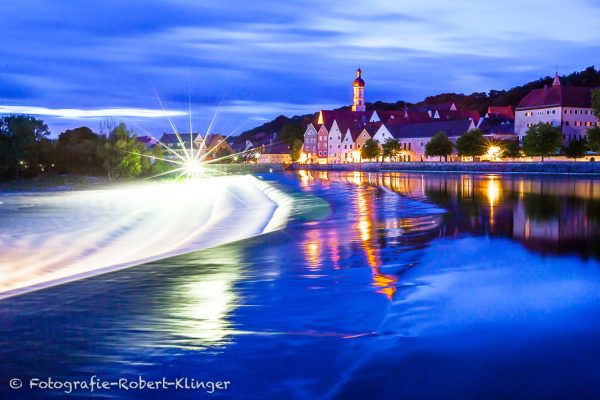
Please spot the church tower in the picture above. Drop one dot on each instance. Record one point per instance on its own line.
(358, 103)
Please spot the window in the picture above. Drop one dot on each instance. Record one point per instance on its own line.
(345, 147)
(567, 123)
(358, 146)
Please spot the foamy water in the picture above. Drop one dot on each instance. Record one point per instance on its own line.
(49, 238)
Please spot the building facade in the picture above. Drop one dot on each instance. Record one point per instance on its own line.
(567, 107)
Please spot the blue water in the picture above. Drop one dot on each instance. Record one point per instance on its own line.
(382, 286)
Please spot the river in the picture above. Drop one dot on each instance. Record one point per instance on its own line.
(381, 285)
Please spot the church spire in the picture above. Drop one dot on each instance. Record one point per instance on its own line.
(556, 80)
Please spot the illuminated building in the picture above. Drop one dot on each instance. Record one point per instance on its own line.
(567, 107)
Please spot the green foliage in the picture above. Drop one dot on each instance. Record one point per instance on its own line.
(122, 158)
(370, 150)
(291, 132)
(21, 140)
(511, 149)
(296, 150)
(593, 136)
(391, 148)
(542, 140)
(80, 152)
(158, 166)
(439, 145)
(596, 102)
(576, 149)
(471, 144)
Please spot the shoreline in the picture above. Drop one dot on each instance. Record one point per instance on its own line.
(546, 168)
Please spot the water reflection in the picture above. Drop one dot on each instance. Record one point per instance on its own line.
(198, 308)
(545, 213)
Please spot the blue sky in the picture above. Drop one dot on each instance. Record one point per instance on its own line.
(81, 61)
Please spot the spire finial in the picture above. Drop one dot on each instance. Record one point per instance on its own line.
(556, 81)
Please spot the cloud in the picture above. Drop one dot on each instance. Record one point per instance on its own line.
(72, 113)
(262, 59)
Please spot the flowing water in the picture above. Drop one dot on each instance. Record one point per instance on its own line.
(392, 285)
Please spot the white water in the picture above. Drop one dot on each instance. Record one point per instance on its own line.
(50, 238)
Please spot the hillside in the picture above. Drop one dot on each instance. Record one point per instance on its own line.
(478, 100)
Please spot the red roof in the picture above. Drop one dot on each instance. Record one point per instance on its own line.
(344, 117)
(502, 112)
(418, 116)
(390, 116)
(557, 96)
(459, 114)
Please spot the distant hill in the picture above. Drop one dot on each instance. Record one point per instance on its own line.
(478, 101)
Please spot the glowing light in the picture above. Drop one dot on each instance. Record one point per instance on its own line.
(493, 153)
(84, 233)
(193, 168)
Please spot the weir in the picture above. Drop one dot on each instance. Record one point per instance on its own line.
(48, 238)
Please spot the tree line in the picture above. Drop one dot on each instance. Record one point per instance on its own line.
(26, 151)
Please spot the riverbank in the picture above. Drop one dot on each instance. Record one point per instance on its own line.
(577, 168)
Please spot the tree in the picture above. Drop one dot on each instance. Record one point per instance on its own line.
(370, 150)
(542, 140)
(158, 165)
(439, 145)
(596, 102)
(291, 132)
(391, 148)
(122, 157)
(78, 151)
(593, 136)
(20, 138)
(576, 149)
(296, 150)
(471, 144)
(511, 149)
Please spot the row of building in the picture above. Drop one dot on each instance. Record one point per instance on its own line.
(337, 136)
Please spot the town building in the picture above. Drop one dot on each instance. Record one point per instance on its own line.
(414, 137)
(276, 153)
(567, 107)
(498, 123)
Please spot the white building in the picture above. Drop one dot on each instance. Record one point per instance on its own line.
(568, 107)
